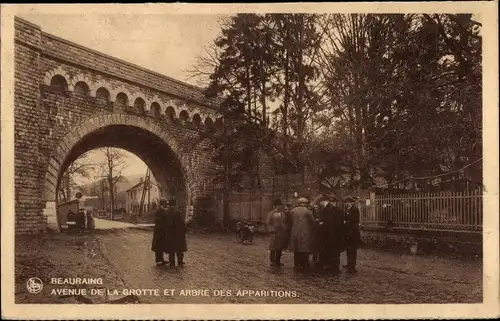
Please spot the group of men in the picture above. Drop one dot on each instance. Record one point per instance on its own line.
(324, 228)
(169, 234)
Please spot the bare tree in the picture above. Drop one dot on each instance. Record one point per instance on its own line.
(111, 170)
(207, 62)
(81, 168)
(205, 65)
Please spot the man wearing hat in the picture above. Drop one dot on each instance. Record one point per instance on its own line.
(277, 226)
(288, 222)
(331, 219)
(352, 233)
(159, 234)
(302, 234)
(175, 234)
(314, 207)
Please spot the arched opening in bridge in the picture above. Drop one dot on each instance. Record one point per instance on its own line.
(155, 110)
(122, 100)
(81, 88)
(165, 166)
(139, 105)
(170, 113)
(209, 124)
(183, 117)
(196, 120)
(59, 83)
(115, 184)
(102, 94)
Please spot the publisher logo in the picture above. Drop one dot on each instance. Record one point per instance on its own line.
(34, 285)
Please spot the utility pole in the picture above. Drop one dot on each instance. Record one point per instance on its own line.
(101, 183)
(145, 187)
(103, 203)
(149, 193)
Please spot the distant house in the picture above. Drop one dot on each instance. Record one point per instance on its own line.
(151, 199)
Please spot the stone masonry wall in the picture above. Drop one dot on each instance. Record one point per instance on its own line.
(29, 218)
(424, 242)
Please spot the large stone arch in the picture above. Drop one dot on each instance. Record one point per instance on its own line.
(61, 157)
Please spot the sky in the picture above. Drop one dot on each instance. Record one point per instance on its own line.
(167, 44)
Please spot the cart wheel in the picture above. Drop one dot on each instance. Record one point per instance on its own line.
(239, 237)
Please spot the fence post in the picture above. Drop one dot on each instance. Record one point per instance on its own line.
(261, 208)
(372, 208)
(241, 206)
(221, 210)
(251, 209)
(479, 210)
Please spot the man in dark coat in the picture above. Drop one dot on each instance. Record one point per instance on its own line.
(176, 234)
(159, 234)
(314, 207)
(80, 220)
(288, 220)
(70, 218)
(90, 221)
(331, 219)
(352, 234)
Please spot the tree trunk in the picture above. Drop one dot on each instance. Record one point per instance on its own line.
(110, 183)
(301, 87)
(226, 191)
(301, 105)
(63, 197)
(249, 93)
(285, 118)
(254, 101)
(225, 206)
(67, 181)
(111, 195)
(64, 187)
(103, 205)
(263, 93)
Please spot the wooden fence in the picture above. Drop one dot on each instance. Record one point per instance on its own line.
(251, 210)
(450, 211)
(248, 207)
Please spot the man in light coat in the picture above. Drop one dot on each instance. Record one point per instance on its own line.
(277, 226)
(302, 234)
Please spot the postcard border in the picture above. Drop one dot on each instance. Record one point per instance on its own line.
(491, 284)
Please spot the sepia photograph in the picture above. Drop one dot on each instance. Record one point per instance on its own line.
(297, 158)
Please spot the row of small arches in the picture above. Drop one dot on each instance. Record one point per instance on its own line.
(80, 87)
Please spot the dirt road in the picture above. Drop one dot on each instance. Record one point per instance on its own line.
(217, 262)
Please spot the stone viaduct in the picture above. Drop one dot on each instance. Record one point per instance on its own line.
(69, 99)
